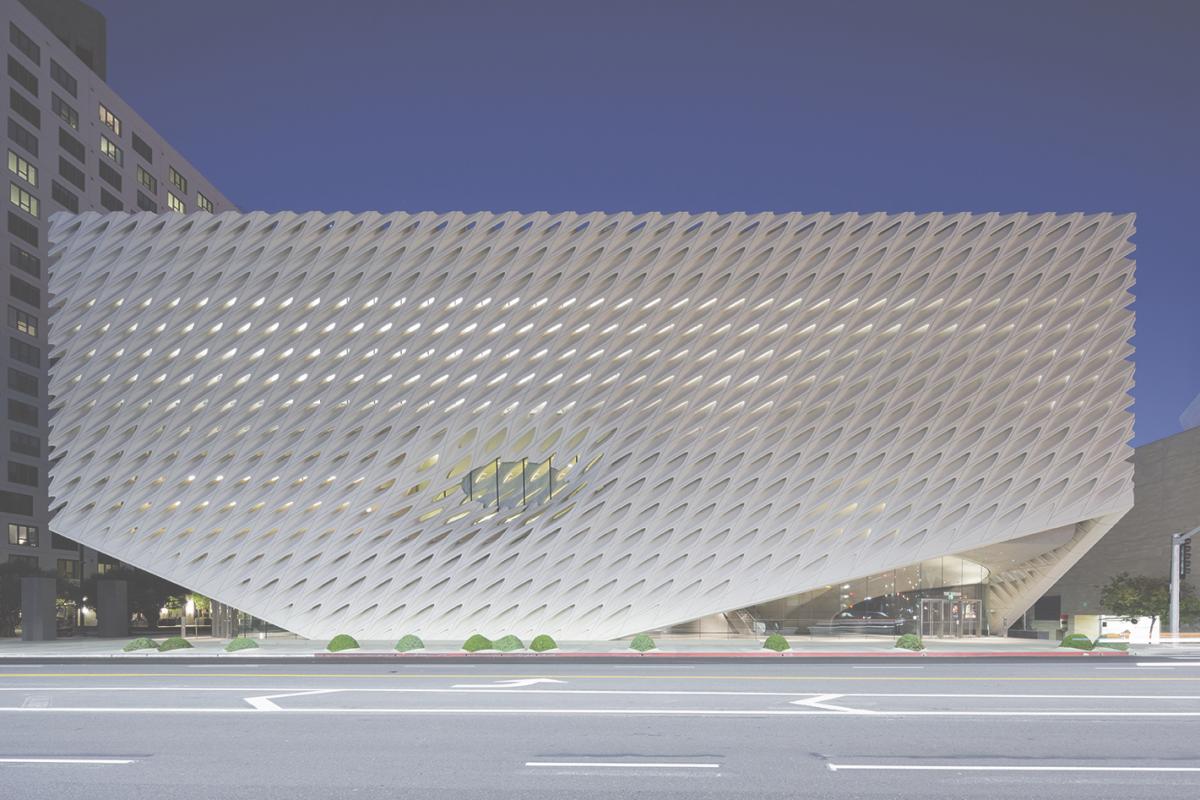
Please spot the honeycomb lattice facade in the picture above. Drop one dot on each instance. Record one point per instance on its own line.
(583, 425)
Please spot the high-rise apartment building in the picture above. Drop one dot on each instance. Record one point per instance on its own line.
(71, 144)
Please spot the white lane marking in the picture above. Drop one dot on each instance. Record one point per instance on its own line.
(821, 701)
(885, 667)
(645, 712)
(66, 760)
(1003, 768)
(35, 701)
(264, 703)
(222, 666)
(1166, 664)
(619, 764)
(506, 684)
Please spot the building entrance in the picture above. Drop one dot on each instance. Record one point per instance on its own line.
(951, 617)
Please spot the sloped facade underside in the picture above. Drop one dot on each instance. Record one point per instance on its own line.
(584, 425)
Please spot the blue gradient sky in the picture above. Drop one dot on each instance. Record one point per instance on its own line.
(750, 106)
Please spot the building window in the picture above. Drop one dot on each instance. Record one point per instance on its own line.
(146, 204)
(22, 228)
(146, 179)
(20, 382)
(22, 168)
(23, 322)
(25, 474)
(68, 569)
(63, 543)
(175, 204)
(110, 201)
(110, 175)
(23, 413)
(24, 352)
(142, 149)
(110, 149)
(177, 180)
(25, 292)
(24, 261)
(64, 111)
(16, 503)
(64, 78)
(22, 76)
(61, 195)
(24, 443)
(203, 202)
(71, 172)
(26, 109)
(24, 535)
(24, 44)
(22, 199)
(72, 145)
(22, 137)
(110, 119)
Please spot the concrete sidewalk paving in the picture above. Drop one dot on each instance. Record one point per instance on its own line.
(289, 648)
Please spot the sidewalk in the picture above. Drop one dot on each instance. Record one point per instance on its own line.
(293, 648)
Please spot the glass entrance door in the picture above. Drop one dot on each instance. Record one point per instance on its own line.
(970, 618)
(934, 617)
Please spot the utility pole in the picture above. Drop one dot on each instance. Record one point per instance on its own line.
(1181, 564)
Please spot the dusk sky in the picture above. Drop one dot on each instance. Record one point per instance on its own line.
(696, 106)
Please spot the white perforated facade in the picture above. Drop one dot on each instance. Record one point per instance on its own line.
(301, 415)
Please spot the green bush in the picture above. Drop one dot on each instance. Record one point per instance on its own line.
(507, 644)
(541, 643)
(910, 641)
(140, 644)
(408, 643)
(174, 643)
(477, 642)
(1122, 646)
(341, 642)
(241, 643)
(641, 643)
(777, 643)
(1077, 641)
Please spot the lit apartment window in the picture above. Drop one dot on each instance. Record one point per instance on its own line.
(147, 180)
(23, 199)
(110, 149)
(22, 168)
(25, 535)
(203, 202)
(175, 204)
(110, 119)
(177, 180)
(25, 323)
(68, 569)
(64, 111)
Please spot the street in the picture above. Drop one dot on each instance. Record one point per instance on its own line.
(1071, 729)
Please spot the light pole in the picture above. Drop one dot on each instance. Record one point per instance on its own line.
(1181, 544)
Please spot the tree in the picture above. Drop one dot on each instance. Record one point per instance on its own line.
(1133, 596)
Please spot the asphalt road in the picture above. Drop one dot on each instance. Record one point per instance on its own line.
(1073, 729)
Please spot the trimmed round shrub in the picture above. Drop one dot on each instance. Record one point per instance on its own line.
(241, 643)
(1077, 641)
(408, 643)
(477, 642)
(777, 643)
(507, 644)
(141, 644)
(174, 643)
(541, 643)
(342, 641)
(910, 641)
(641, 643)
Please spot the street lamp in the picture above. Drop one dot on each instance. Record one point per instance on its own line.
(1181, 564)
